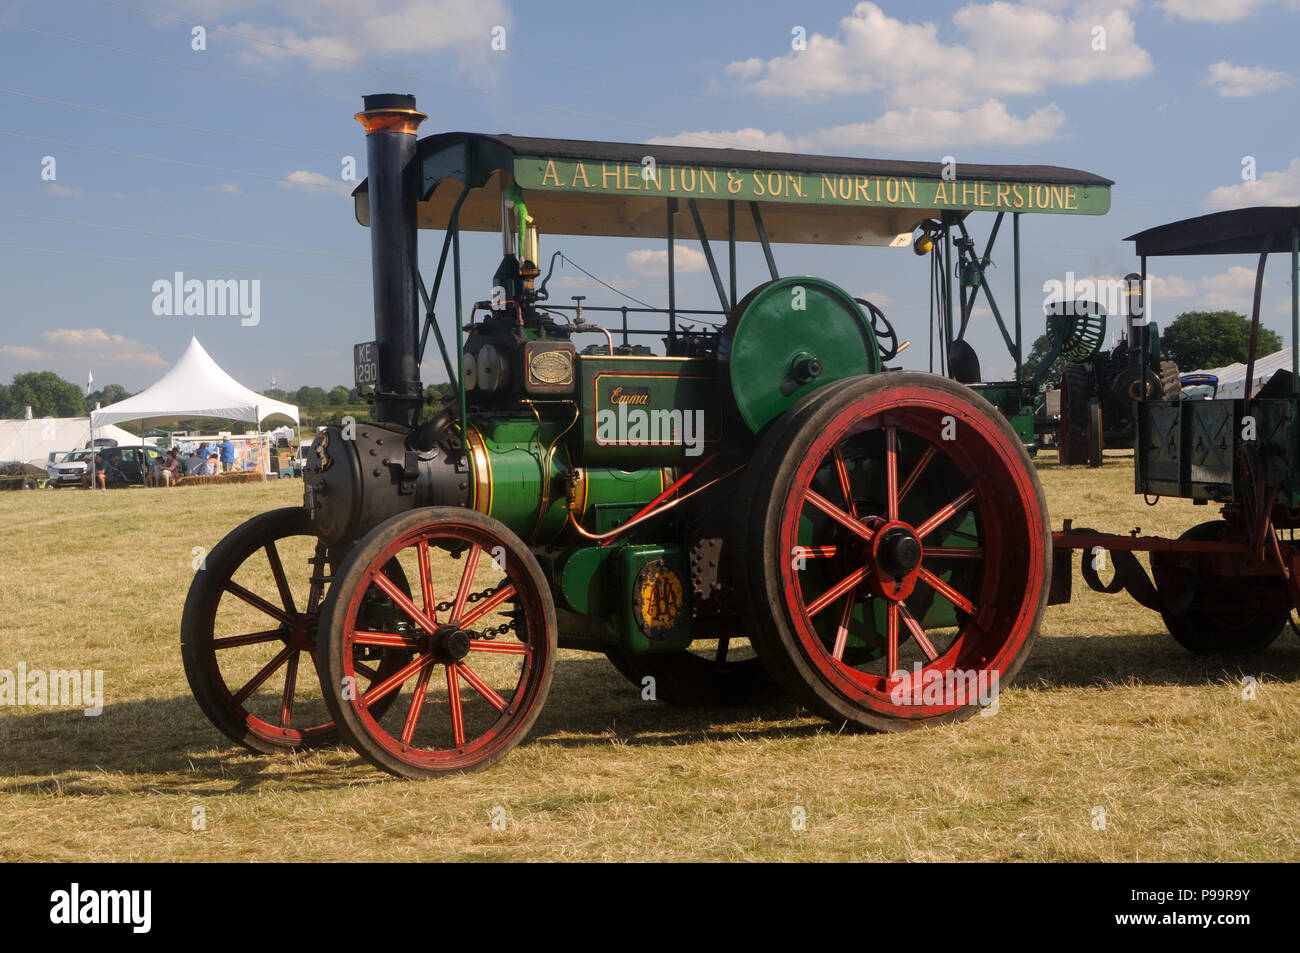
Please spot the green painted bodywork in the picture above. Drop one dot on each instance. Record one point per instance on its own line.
(1016, 402)
(792, 186)
(535, 506)
(599, 584)
(786, 321)
(675, 401)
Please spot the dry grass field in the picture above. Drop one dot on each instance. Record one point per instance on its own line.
(1108, 713)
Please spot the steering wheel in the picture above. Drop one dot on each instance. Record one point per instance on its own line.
(882, 329)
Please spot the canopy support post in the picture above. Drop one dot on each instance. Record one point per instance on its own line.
(1254, 321)
(708, 254)
(1295, 311)
(460, 337)
(1015, 242)
(672, 274)
(731, 248)
(430, 298)
(762, 238)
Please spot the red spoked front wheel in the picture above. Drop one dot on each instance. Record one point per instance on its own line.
(896, 552)
(480, 630)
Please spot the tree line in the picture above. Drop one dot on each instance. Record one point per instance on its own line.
(49, 395)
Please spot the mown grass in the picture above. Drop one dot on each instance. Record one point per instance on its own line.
(1108, 713)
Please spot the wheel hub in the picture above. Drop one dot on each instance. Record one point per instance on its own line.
(896, 558)
(448, 644)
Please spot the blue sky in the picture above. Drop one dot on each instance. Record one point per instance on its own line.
(254, 128)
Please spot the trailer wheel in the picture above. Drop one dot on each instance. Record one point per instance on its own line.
(1072, 437)
(252, 611)
(1218, 615)
(729, 675)
(481, 634)
(896, 540)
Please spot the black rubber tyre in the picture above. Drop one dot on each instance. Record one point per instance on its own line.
(855, 681)
(1095, 433)
(1072, 437)
(1216, 615)
(482, 726)
(1170, 380)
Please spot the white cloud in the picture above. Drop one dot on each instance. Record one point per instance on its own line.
(1213, 11)
(1008, 49)
(1240, 81)
(654, 261)
(1270, 188)
(315, 182)
(332, 34)
(230, 188)
(65, 191)
(917, 127)
(64, 345)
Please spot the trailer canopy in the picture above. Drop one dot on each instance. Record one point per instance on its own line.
(613, 189)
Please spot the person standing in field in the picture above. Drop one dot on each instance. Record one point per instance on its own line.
(227, 455)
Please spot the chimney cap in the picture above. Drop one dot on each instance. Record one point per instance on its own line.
(389, 101)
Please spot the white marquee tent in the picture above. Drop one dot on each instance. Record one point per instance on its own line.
(194, 387)
(34, 439)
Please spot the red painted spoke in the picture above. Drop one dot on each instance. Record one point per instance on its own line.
(891, 472)
(483, 608)
(947, 591)
(815, 552)
(847, 584)
(500, 648)
(842, 633)
(842, 471)
(417, 702)
(466, 583)
(286, 699)
(945, 514)
(365, 670)
(453, 700)
(257, 602)
(918, 633)
(390, 640)
(954, 552)
(403, 602)
(376, 692)
(837, 514)
(277, 570)
(482, 687)
(916, 473)
(252, 638)
(891, 638)
(426, 580)
(267, 671)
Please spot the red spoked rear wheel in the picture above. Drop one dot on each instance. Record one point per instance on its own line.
(480, 630)
(896, 557)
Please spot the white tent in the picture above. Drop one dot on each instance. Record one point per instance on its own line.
(1232, 379)
(195, 387)
(32, 441)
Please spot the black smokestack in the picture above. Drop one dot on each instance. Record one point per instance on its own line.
(390, 121)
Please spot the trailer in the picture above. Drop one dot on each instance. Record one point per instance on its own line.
(1227, 585)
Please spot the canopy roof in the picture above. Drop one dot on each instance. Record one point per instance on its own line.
(575, 187)
(1236, 231)
(195, 387)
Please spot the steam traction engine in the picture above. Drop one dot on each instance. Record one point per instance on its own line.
(763, 508)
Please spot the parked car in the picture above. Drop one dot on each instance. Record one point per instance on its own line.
(65, 468)
(127, 466)
(1199, 386)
